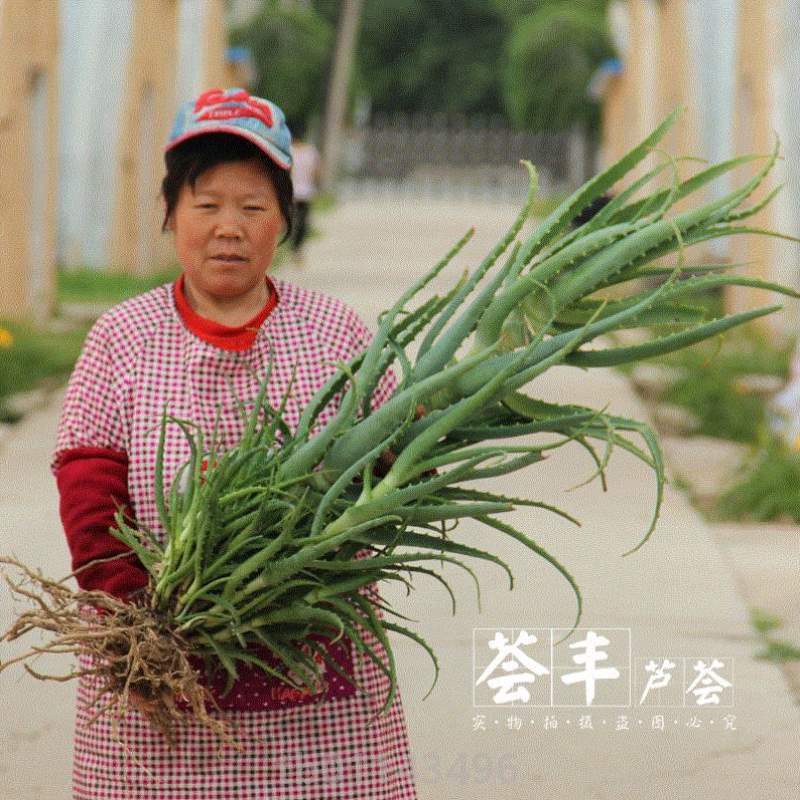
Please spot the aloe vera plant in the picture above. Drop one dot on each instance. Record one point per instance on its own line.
(276, 523)
(286, 534)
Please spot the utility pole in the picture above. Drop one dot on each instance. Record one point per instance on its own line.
(336, 103)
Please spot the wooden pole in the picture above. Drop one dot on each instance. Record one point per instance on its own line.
(336, 104)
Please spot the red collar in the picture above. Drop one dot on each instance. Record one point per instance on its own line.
(240, 337)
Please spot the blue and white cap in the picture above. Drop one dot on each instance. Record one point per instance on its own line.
(235, 111)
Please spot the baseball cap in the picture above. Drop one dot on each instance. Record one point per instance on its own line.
(235, 111)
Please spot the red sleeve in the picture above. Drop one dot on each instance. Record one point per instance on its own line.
(91, 481)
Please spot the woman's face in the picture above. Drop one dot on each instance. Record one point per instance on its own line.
(227, 229)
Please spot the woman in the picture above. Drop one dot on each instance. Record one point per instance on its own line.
(187, 345)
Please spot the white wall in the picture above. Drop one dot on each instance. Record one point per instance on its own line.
(712, 30)
(649, 113)
(787, 112)
(39, 99)
(712, 42)
(95, 42)
(191, 24)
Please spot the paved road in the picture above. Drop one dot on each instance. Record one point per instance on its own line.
(674, 599)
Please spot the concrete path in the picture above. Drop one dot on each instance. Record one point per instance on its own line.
(673, 599)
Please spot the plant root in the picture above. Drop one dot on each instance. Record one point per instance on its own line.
(133, 649)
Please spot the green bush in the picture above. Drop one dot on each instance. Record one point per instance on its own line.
(31, 354)
(776, 650)
(779, 651)
(429, 57)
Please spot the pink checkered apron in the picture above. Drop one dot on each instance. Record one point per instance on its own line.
(138, 357)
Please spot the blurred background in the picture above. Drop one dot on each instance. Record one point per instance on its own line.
(399, 96)
(411, 102)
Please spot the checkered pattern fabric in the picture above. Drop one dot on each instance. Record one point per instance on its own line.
(138, 358)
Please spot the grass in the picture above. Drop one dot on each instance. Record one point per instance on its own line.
(780, 651)
(32, 356)
(767, 488)
(763, 621)
(775, 650)
(84, 285)
(709, 392)
(324, 201)
(709, 389)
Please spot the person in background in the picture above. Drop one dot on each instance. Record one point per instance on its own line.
(305, 178)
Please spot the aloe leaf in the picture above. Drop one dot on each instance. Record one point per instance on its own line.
(424, 362)
(650, 439)
(440, 353)
(601, 463)
(745, 213)
(379, 424)
(511, 531)
(436, 576)
(295, 661)
(441, 511)
(695, 284)
(610, 213)
(348, 611)
(420, 641)
(224, 658)
(332, 663)
(347, 476)
(473, 494)
(380, 562)
(557, 220)
(432, 543)
(511, 465)
(665, 313)
(621, 355)
(377, 628)
(689, 186)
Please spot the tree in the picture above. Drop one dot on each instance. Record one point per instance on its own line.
(514, 10)
(421, 56)
(291, 48)
(550, 57)
(527, 60)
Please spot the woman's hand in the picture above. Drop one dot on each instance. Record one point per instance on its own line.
(141, 701)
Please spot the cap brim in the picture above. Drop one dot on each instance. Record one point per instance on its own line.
(276, 155)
